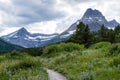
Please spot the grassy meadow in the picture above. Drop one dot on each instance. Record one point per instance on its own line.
(101, 61)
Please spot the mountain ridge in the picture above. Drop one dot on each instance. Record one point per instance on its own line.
(6, 46)
(24, 38)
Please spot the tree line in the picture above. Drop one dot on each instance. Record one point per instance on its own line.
(83, 35)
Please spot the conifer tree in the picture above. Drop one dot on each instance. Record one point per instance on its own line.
(117, 30)
(117, 38)
(111, 36)
(103, 33)
(82, 35)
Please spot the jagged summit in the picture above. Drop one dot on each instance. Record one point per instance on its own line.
(92, 13)
(22, 29)
(94, 19)
(113, 23)
(93, 16)
(22, 32)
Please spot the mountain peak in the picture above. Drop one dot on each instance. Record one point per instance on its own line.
(92, 17)
(89, 9)
(22, 30)
(92, 13)
(113, 21)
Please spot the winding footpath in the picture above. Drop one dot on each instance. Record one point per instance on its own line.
(53, 75)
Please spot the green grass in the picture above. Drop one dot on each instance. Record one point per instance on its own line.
(21, 67)
(99, 62)
(59, 49)
(90, 64)
(100, 45)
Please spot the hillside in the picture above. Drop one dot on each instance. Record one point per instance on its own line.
(5, 46)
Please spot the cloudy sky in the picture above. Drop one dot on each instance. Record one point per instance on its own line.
(50, 16)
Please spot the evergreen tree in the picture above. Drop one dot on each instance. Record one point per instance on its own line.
(103, 33)
(82, 35)
(117, 30)
(88, 36)
(117, 38)
(111, 36)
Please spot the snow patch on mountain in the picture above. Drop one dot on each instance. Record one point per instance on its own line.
(69, 33)
(23, 38)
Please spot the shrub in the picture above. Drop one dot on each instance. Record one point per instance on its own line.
(4, 76)
(25, 69)
(68, 47)
(15, 55)
(86, 76)
(23, 64)
(52, 49)
(101, 45)
(116, 61)
(71, 47)
(114, 49)
(33, 51)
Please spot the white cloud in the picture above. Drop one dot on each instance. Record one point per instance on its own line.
(8, 30)
(46, 27)
(51, 16)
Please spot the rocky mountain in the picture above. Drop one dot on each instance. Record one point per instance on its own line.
(5, 46)
(61, 37)
(94, 19)
(113, 23)
(23, 38)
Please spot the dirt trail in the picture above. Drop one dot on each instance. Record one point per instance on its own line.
(53, 75)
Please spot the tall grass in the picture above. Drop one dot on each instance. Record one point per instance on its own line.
(16, 66)
(71, 60)
(90, 64)
(63, 48)
(114, 49)
(100, 45)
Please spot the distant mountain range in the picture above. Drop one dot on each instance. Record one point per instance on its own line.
(93, 18)
(24, 38)
(5, 46)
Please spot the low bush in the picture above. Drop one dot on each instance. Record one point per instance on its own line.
(67, 47)
(25, 69)
(33, 51)
(101, 45)
(71, 47)
(116, 61)
(4, 76)
(15, 55)
(86, 76)
(52, 49)
(114, 49)
(23, 64)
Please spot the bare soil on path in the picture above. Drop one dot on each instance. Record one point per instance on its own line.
(53, 75)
